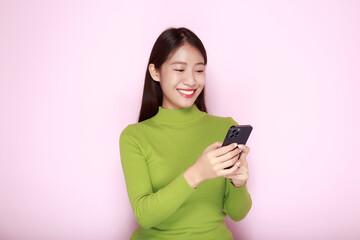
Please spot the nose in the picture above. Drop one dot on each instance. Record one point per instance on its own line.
(190, 79)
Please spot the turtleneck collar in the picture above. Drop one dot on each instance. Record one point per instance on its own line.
(176, 116)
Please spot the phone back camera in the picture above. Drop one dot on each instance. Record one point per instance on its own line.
(235, 132)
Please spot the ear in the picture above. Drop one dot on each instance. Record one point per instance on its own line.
(154, 73)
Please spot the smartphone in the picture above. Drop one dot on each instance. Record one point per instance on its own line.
(237, 134)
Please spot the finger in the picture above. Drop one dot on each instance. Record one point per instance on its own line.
(233, 176)
(228, 162)
(243, 156)
(244, 151)
(244, 148)
(222, 150)
(242, 179)
(241, 170)
(233, 170)
(243, 175)
(228, 171)
(233, 154)
(243, 161)
(213, 146)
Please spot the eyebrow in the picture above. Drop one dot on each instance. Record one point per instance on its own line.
(186, 63)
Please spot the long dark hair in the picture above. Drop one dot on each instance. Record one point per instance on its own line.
(168, 41)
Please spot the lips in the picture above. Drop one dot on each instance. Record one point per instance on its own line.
(188, 93)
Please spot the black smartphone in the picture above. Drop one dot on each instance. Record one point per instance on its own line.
(237, 134)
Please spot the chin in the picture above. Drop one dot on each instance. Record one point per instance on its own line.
(185, 105)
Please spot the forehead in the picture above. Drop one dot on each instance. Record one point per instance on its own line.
(186, 54)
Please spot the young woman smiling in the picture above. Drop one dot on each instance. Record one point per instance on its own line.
(173, 160)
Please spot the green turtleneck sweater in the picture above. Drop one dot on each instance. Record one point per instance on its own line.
(155, 154)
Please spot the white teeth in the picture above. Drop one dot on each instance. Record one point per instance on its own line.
(186, 92)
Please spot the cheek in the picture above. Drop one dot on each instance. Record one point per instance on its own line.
(176, 79)
(201, 78)
(172, 79)
(201, 81)
(168, 84)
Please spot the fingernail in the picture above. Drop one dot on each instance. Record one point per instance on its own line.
(235, 145)
(238, 164)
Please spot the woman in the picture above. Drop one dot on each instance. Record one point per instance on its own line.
(172, 159)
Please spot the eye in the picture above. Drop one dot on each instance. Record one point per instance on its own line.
(179, 70)
(200, 71)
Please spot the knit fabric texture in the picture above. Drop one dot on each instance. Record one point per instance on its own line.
(155, 153)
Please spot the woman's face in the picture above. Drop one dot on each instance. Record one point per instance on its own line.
(181, 77)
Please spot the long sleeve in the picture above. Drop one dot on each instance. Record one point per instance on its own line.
(237, 200)
(150, 208)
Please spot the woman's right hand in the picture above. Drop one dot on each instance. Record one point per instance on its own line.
(211, 163)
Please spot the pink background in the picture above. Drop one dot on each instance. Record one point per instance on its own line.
(71, 78)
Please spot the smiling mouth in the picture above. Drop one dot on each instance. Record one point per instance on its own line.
(188, 93)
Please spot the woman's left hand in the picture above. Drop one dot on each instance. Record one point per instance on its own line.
(241, 175)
